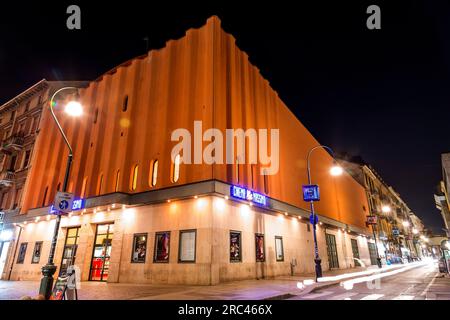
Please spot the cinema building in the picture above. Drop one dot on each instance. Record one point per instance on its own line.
(145, 218)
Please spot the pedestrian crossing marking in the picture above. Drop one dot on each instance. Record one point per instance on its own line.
(404, 297)
(373, 296)
(344, 296)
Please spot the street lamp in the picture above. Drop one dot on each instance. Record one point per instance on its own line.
(72, 108)
(386, 209)
(335, 170)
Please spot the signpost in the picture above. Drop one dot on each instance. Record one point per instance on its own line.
(311, 192)
(63, 202)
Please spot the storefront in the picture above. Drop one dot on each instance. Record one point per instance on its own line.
(207, 237)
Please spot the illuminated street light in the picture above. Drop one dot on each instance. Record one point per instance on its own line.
(74, 109)
(406, 224)
(415, 231)
(386, 209)
(335, 170)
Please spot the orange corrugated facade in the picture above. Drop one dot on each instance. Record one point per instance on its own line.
(202, 76)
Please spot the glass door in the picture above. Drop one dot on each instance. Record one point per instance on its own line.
(332, 251)
(70, 249)
(102, 253)
(355, 251)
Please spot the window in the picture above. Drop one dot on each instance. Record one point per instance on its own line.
(100, 184)
(58, 187)
(139, 248)
(17, 197)
(116, 186)
(176, 168)
(70, 249)
(39, 100)
(259, 247)
(37, 252)
(22, 252)
(252, 169)
(154, 174)
(44, 199)
(134, 177)
(162, 245)
(266, 181)
(125, 103)
(333, 260)
(27, 106)
(235, 246)
(13, 115)
(186, 248)
(26, 159)
(83, 188)
(355, 252)
(279, 248)
(12, 164)
(95, 115)
(237, 169)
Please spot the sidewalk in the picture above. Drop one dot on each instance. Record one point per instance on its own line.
(277, 288)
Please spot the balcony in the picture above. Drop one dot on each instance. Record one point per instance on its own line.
(7, 179)
(12, 143)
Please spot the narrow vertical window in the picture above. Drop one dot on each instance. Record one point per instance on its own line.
(176, 168)
(266, 182)
(58, 187)
(83, 187)
(116, 186)
(44, 199)
(134, 177)
(100, 184)
(95, 115)
(125, 103)
(237, 169)
(252, 169)
(154, 173)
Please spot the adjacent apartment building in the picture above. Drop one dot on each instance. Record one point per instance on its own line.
(20, 120)
(147, 214)
(442, 196)
(397, 229)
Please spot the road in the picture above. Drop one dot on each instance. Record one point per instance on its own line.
(421, 283)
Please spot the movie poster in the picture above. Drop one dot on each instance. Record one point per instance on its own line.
(37, 252)
(162, 241)
(22, 252)
(259, 244)
(139, 248)
(235, 247)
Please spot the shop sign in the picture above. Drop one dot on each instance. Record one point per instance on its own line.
(245, 194)
(371, 220)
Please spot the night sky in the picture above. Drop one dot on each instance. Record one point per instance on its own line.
(381, 94)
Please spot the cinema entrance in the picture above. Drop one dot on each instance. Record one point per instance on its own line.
(101, 255)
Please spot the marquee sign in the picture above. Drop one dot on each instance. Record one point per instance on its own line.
(249, 195)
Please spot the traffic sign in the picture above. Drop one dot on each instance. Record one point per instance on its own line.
(315, 217)
(311, 192)
(63, 202)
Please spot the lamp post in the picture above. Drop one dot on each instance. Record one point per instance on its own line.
(73, 108)
(334, 171)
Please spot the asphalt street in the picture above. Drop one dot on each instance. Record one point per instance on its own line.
(421, 283)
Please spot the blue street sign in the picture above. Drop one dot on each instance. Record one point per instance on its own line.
(311, 218)
(311, 192)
